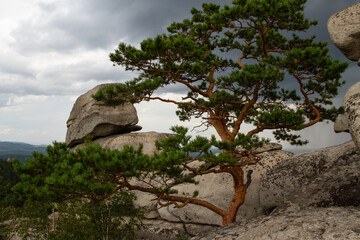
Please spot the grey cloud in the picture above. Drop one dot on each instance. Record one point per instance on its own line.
(98, 24)
(63, 79)
(66, 27)
(13, 64)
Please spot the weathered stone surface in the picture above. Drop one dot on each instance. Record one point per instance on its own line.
(90, 117)
(218, 189)
(118, 141)
(163, 230)
(341, 124)
(307, 224)
(324, 177)
(146, 200)
(352, 111)
(266, 148)
(344, 29)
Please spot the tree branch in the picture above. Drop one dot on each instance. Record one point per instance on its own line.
(246, 109)
(172, 101)
(174, 199)
(261, 128)
(317, 112)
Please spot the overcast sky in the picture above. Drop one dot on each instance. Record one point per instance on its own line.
(52, 51)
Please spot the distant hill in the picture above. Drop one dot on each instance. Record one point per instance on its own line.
(19, 150)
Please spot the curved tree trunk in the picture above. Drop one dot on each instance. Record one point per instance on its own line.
(239, 195)
(228, 216)
(221, 129)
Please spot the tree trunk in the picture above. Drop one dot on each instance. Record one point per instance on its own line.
(239, 195)
(222, 130)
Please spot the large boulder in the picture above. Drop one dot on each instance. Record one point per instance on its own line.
(321, 178)
(90, 117)
(301, 224)
(344, 29)
(352, 111)
(218, 190)
(341, 124)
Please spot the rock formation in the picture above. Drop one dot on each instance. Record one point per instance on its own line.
(294, 223)
(321, 178)
(341, 124)
(91, 118)
(118, 141)
(344, 29)
(352, 111)
(111, 127)
(303, 196)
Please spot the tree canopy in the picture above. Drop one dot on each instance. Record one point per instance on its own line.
(8, 178)
(239, 65)
(61, 195)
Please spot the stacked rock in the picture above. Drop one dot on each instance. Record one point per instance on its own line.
(344, 29)
(110, 126)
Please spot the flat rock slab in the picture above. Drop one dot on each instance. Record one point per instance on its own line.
(313, 223)
(344, 29)
(95, 119)
(118, 141)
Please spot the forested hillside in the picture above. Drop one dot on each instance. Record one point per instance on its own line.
(18, 150)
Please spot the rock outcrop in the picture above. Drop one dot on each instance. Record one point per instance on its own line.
(341, 124)
(352, 111)
(344, 29)
(110, 127)
(118, 141)
(90, 117)
(321, 178)
(350, 120)
(294, 223)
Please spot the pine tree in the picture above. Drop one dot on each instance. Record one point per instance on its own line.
(243, 63)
